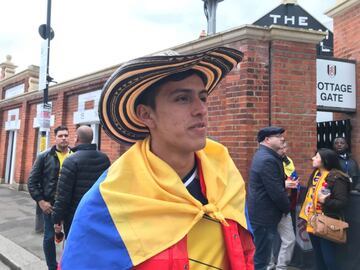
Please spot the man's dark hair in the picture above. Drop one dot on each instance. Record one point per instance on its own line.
(329, 159)
(60, 128)
(149, 95)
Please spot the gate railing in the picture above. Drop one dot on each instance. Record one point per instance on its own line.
(328, 131)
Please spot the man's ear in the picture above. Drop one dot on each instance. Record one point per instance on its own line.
(146, 115)
(76, 139)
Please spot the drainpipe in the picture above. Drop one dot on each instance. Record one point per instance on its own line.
(270, 73)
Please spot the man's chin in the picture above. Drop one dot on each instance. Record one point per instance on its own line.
(63, 147)
(200, 145)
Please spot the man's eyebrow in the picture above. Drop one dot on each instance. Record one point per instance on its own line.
(185, 91)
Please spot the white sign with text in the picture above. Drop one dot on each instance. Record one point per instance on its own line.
(335, 85)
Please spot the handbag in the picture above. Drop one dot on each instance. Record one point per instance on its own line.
(329, 228)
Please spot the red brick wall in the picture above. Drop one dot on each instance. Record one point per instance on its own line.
(346, 45)
(31, 144)
(110, 147)
(239, 107)
(71, 105)
(3, 144)
(294, 99)
(59, 111)
(21, 140)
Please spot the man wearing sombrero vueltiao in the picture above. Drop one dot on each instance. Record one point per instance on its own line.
(174, 200)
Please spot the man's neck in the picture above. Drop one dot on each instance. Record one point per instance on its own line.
(182, 163)
(182, 167)
(63, 150)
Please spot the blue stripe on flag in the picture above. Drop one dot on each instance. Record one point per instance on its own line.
(250, 229)
(94, 242)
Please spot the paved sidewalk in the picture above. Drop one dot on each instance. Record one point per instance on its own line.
(20, 246)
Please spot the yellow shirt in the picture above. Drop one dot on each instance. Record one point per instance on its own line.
(61, 156)
(289, 168)
(206, 246)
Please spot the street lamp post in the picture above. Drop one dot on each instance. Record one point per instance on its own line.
(44, 115)
(47, 34)
(210, 13)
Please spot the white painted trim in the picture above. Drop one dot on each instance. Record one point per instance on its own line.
(82, 116)
(341, 7)
(13, 124)
(274, 32)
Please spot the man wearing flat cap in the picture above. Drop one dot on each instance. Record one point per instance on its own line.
(175, 199)
(267, 198)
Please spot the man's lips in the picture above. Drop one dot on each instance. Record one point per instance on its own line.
(199, 125)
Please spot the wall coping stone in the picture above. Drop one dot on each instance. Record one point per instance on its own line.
(341, 7)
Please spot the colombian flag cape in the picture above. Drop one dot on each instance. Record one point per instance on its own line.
(140, 207)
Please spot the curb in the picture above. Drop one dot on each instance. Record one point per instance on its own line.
(18, 258)
(8, 263)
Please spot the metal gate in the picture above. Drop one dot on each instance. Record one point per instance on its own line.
(328, 131)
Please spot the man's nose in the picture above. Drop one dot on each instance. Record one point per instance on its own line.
(199, 107)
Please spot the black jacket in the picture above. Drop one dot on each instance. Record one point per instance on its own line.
(351, 168)
(339, 185)
(78, 173)
(267, 198)
(44, 176)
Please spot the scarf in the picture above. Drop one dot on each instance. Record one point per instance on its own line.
(310, 206)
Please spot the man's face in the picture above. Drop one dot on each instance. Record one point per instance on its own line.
(282, 151)
(340, 146)
(276, 142)
(179, 121)
(62, 139)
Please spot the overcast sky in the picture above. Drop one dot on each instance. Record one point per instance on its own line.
(91, 35)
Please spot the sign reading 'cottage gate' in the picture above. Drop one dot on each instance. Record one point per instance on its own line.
(335, 85)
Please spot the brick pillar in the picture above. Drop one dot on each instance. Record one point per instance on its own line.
(21, 142)
(293, 99)
(59, 110)
(7, 68)
(239, 106)
(2, 145)
(346, 45)
(30, 147)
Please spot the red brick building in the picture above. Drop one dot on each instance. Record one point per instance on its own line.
(346, 17)
(275, 84)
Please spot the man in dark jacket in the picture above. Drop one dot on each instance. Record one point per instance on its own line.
(348, 164)
(267, 198)
(79, 172)
(42, 185)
